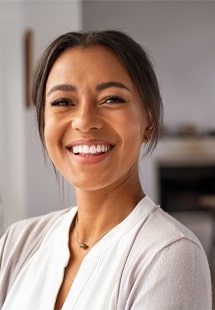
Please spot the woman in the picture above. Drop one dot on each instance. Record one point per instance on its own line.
(98, 102)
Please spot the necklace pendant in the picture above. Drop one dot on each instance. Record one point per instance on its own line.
(83, 246)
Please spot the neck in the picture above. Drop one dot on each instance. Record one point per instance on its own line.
(100, 211)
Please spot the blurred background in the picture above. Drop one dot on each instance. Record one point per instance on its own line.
(179, 36)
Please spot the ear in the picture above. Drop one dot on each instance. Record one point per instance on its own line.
(148, 132)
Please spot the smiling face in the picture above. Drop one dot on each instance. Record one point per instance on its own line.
(94, 119)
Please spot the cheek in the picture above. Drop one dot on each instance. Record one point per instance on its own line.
(51, 136)
(134, 125)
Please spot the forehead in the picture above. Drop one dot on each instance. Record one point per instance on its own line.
(84, 62)
(97, 52)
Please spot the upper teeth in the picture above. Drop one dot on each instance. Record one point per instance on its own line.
(90, 149)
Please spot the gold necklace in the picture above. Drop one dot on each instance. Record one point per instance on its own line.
(84, 245)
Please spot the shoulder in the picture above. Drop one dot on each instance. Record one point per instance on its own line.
(19, 243)
(165, 251)
(160, 230)
(162, 236)
(29, 231)
(175, 277)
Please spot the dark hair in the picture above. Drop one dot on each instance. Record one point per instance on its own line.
(131, 54)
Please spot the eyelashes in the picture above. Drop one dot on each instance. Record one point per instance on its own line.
(65, 102)
(114, 99)
(61, 102)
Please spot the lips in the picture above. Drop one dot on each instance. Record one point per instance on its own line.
(90, 149)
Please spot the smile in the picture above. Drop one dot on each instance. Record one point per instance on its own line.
(89, 150)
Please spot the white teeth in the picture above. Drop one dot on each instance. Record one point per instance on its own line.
(80, 148)
(86, 149)
(98, 148)
(90, 149)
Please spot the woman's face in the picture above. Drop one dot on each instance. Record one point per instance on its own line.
(94, 119)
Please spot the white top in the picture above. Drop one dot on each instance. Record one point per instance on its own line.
(149, 261)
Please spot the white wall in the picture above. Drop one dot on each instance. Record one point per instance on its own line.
(47, 19)
(27, 186)
(180, 36)
(12, 138)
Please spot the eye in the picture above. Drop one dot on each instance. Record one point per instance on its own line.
(114, 99)
(62, 102)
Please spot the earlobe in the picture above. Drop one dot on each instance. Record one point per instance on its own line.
(146, 138)
(148, 133)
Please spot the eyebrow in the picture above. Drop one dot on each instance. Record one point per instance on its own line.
(99, 87)
(105, 85)
(63, 87)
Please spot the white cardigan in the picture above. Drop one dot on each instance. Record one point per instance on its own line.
(147, 262)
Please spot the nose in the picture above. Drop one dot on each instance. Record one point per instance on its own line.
(86, 118)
